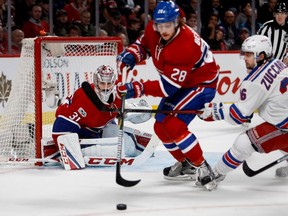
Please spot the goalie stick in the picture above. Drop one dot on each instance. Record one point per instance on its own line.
(96, 101)
(249, 172)
(119, 179)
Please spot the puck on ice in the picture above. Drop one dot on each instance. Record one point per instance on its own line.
(121, 206)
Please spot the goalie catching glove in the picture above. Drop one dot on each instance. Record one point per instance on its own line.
(137, 118)
(212, 112)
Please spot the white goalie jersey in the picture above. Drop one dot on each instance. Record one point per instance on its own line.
(265, 89)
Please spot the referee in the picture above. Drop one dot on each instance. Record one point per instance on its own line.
(277, 31)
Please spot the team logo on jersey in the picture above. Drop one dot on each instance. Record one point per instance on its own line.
(82, 112)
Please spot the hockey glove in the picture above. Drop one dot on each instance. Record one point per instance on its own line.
(132, 90)
(125, 59)
(212, 112)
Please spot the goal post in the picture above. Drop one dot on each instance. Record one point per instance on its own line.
(49, 69)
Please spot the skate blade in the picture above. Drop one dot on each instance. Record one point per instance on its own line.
(209, 186)
(181, 178)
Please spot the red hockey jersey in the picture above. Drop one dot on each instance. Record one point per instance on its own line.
(81, 110)
(183, 62)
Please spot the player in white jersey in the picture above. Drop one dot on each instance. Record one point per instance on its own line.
(265, 88)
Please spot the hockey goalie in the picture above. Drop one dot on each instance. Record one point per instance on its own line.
(84, 134)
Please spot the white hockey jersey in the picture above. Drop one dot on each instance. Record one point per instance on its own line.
(266, 89)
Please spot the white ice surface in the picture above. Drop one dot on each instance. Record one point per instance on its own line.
(52, 191)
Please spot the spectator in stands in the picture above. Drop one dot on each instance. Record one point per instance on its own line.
(249, 21)
(113, 26)
(23, 11)
(2, 42)
(61, 25)
(188, 7)
(265, 12)
(218, 43)
(151, 6)
(74, 9)
(208, 31)
(123, 38)
(244, 33)
(16, 39)
(245, 12)
(214, 7)
(44, 4)
(191, 20)
(35, 26)
(3, 13)
(74, 31)
(133, 30)
(85, 26)
(102, 33)
(231, 35)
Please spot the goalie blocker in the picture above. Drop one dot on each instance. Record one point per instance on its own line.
(100, 152)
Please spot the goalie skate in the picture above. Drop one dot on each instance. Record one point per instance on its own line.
(180, 171)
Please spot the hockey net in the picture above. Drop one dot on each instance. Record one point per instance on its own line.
(49, 69)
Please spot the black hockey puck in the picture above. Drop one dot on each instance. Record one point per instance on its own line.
(121, 206)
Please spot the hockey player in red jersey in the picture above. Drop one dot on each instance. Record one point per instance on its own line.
(265, 89)
(188, 79)
(82, 113)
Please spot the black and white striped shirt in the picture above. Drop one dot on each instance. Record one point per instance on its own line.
(278, 36)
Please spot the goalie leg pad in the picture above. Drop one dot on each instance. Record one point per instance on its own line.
(101, 150)
(70, 151)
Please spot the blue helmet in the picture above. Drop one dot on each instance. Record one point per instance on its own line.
(166, 11)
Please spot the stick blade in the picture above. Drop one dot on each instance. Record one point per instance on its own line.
(123, 182)
(247, 170)
(126, 183)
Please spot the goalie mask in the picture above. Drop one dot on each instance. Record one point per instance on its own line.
(104, 81)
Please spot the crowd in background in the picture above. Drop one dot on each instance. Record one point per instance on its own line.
(224, 24)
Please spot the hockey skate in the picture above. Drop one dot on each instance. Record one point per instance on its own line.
(180, 171)
(218, 177)
(282, 172)
(205, 177)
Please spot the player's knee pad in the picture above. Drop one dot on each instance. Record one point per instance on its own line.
(171, 127)
(242, 147)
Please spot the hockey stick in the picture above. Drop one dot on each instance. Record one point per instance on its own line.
(155, 111)
(249, 172)
(97, 102)
(119, 179)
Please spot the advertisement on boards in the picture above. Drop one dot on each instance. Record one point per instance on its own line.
(70, 72)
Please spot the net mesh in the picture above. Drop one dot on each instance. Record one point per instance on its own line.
(65, 64)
